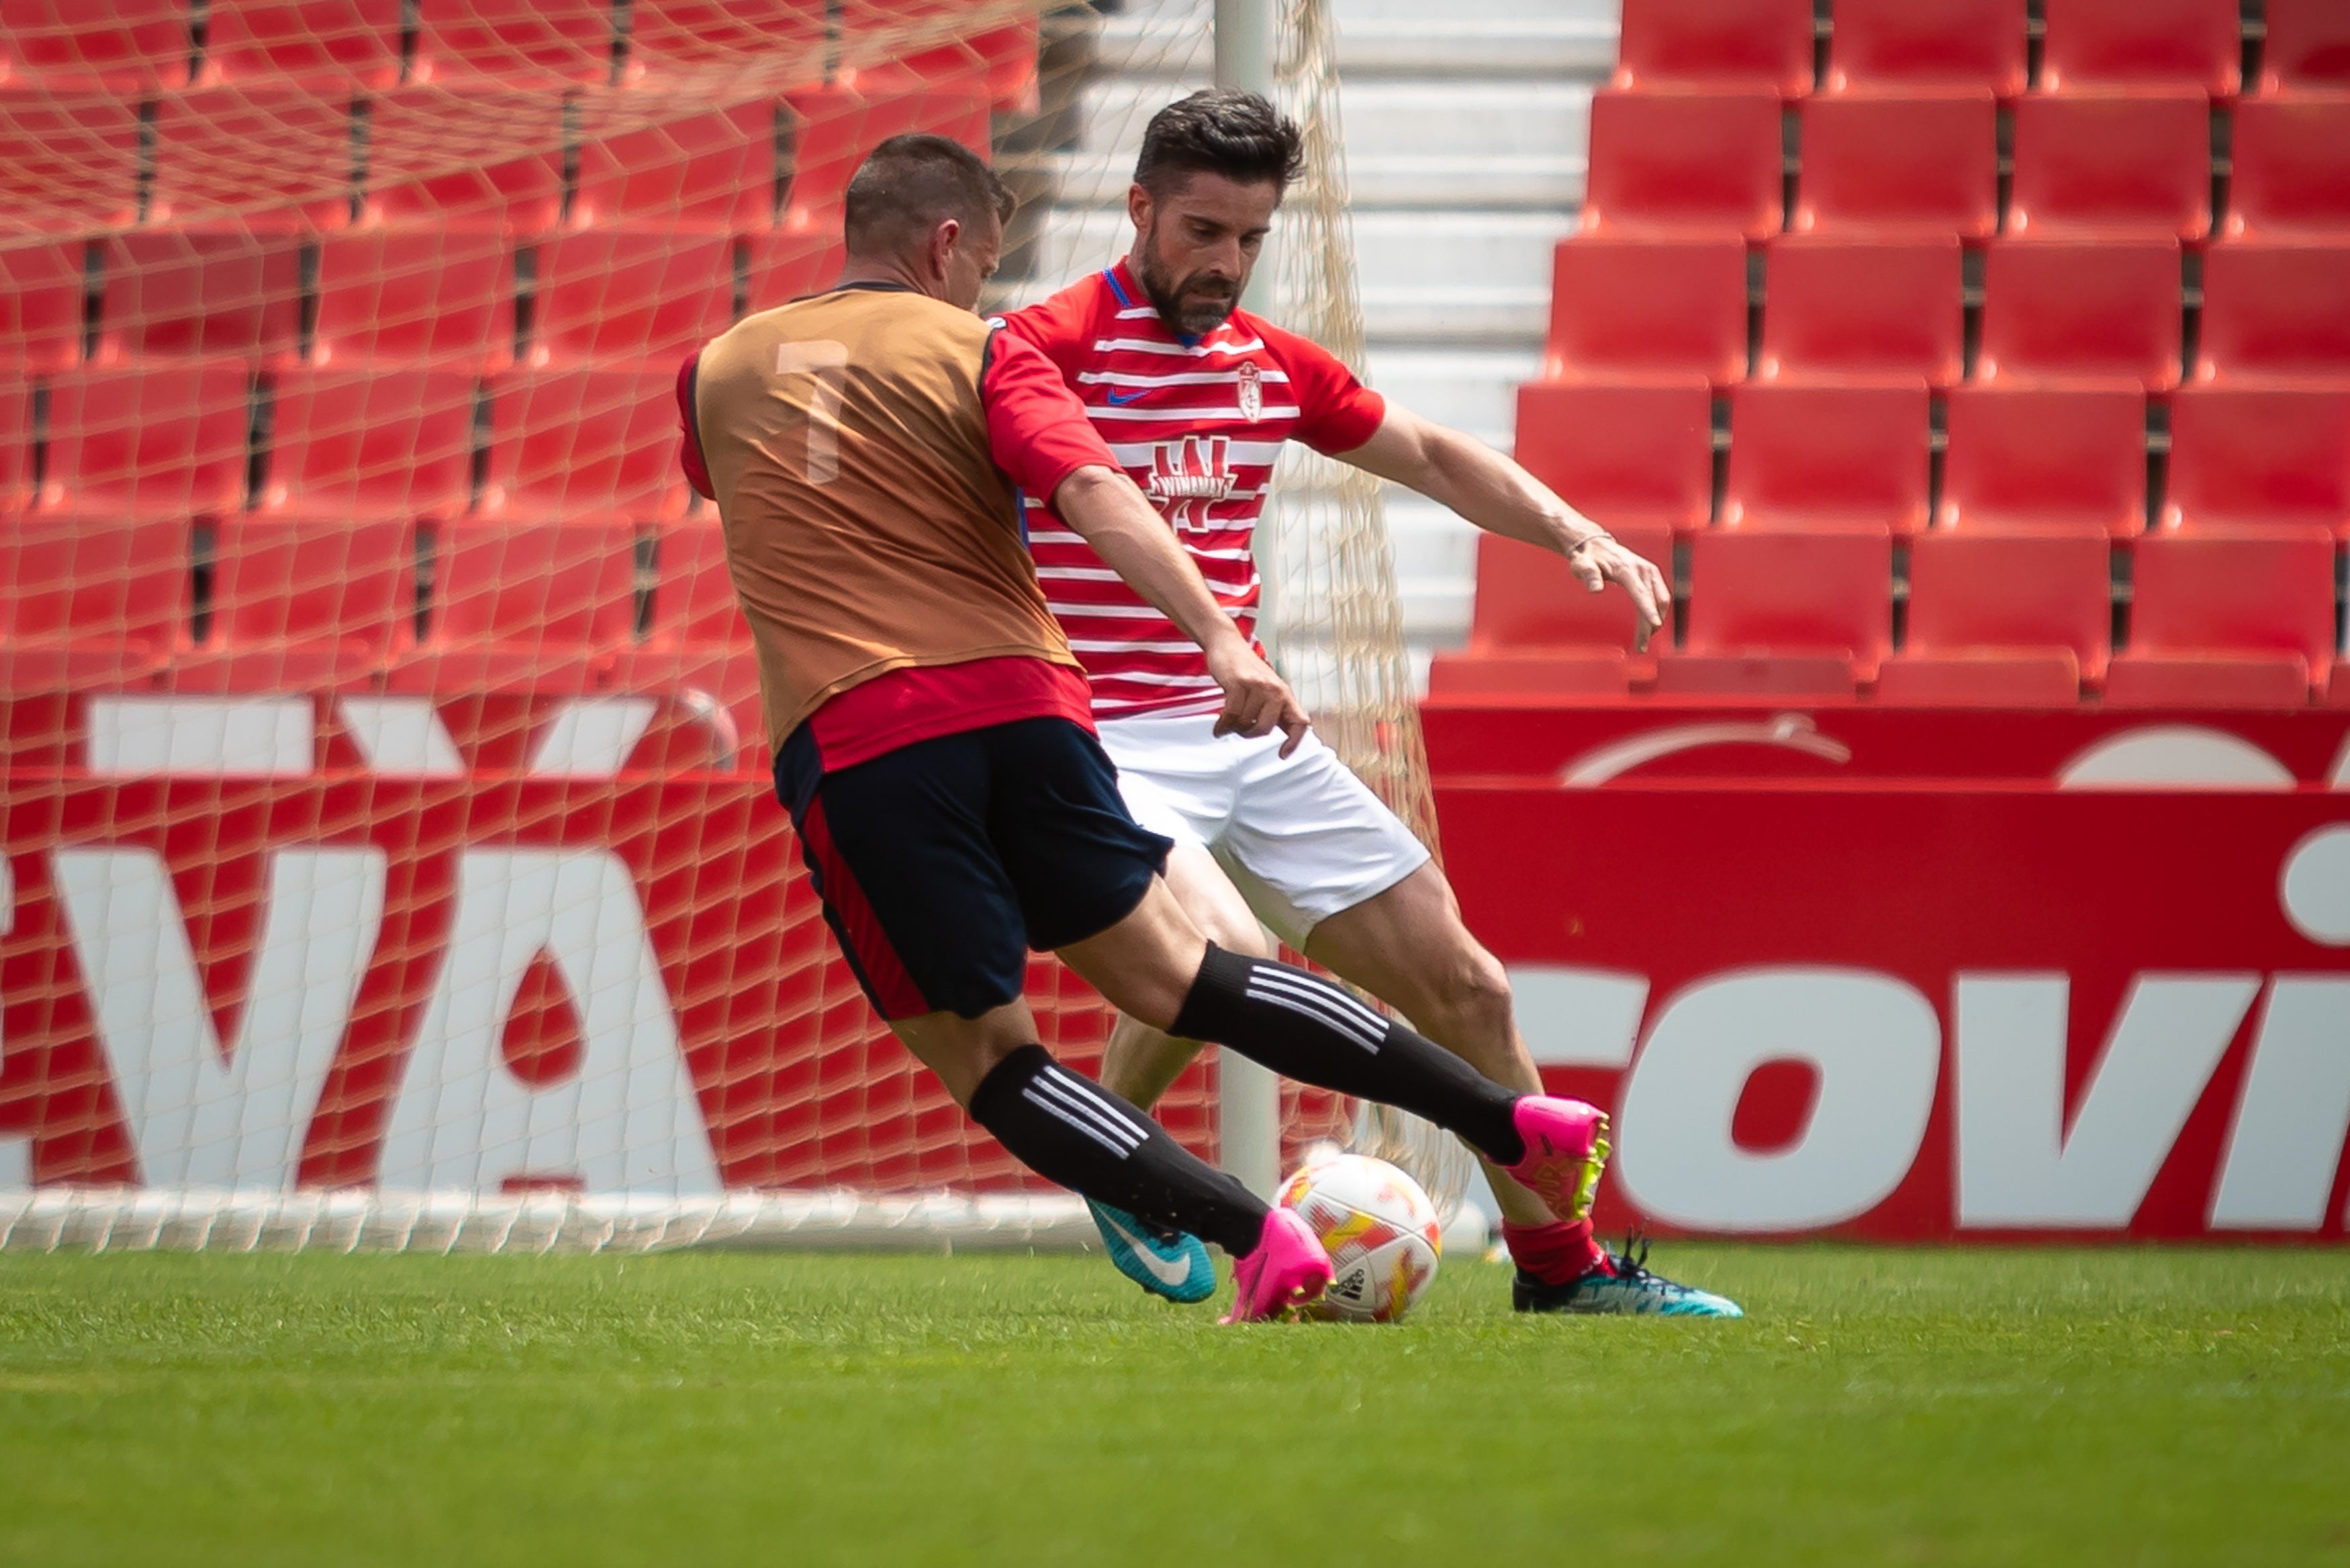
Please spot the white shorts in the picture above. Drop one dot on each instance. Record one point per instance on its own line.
(1301, 838)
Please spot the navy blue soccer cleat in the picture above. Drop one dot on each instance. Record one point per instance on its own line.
(1629, 1289)
(1170, 1263)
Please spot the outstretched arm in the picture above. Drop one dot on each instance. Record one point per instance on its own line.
(1103, 505)
(1493, 492)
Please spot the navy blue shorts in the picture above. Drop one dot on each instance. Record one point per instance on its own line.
(942, 863)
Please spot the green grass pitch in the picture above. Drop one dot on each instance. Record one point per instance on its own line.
(1877, 1406)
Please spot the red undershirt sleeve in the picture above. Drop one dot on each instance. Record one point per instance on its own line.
(1337, 413)
(688, 454)
(1037, 432)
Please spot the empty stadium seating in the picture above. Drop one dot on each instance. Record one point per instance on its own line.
(2307, 46)
(2258, 458)
(1708, 162)
(2194, 44)
(586, 444)
(1630, 455)
(632, 295)
(41, 290)
(1716, 44)
(787, 262)
(713, 171)
(2275, 310)
(1539, 631)
(15, 446)
(149, 441)
(199, 292)
(371, 442)
(694, 593)
(832, 129)
(268, 154)
(2111, 165)
(91, 600)
(328, 46)
(1893, 167)
(2292, 167)
(1910, 44)
(537, 44)
(667, 36)
(299, 607)
(512, 592)
(1784, 613)
(428, 296)
(126, 46)
(2065, 460)
(1828, 457)
(2076, 310)
(69, 162)
(1863, 310)
(514, 184)
(1649, 308)
(2003, 618)
(2228, 620)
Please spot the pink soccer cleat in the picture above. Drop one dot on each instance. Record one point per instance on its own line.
(1288, 1270)
(1567, 1148)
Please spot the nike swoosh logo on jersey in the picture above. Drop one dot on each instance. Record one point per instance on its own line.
(1121, 402)
(1165, 1273)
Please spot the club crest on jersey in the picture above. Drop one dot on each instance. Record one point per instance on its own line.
(1188, 476)
(1252, 391)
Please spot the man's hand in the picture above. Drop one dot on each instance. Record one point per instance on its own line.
(1600, 560)
(1257, 701)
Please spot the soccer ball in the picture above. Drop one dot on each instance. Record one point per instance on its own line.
(1379, 1228)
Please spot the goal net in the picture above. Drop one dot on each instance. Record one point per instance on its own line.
(389, 856)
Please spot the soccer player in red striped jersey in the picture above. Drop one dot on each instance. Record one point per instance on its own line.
(1194, 396)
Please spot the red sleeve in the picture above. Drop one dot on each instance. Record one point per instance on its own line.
(1057, 326)
(688, 453)
(1037, 432)
(1337, 413)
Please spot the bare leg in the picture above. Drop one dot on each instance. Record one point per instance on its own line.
(1408, 947)
(962, 1051)
(1142, 1061)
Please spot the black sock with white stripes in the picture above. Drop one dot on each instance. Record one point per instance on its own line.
(1306, 1028)
(1071, 1130)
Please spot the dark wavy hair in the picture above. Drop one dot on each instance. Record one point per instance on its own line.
(1224, 131)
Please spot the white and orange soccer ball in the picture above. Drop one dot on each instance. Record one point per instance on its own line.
(1379, 1228)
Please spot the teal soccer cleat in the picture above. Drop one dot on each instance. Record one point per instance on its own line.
(1630, 1288)
(1170, 1263)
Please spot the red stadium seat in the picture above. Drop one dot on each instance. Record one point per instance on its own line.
(2006, 617)
(365, 441)
(150, 440)
(297, 607)
(1784, 613)
(2238, 621)
(517, 185)
(42, 289)
(2077, 310)
(269, 154)
(2308, 46)
(1935, 44)
(697, 649)
(421, 296)
(2292, 167)
(125, 47)
(832, 129)
(586, 443)
(2275, 310)
(1528, 598)
(999, 65)
(1732, 43)
(1828, 457)
(196, 292)
(69, 163)
(790, 263)
(529, 43)
(631, 295)
(90, 598)
(2195, 44)
(2065, 460)
(1629, 455)
(1702, 163)
(328, 46)
(2113, 165)
(15, 446)
(559, 586)
(1647, 307)
(713, 171)
(667, 36)
(693, 592)
(1899, 168)
(2258, 459)
(1837, 309)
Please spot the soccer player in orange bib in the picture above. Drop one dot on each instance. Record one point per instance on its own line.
(935, 746)
(1195, 396)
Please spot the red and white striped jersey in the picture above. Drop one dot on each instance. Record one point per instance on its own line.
(1196, 423)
